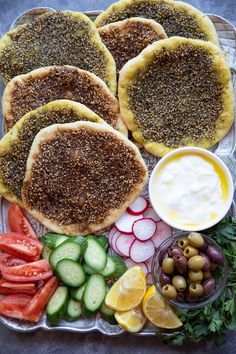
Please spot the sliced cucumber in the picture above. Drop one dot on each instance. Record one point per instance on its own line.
(95, 255)
(108, 314)
(57, 305)
(46, 252)
(77, 294)
(103, 240)
(94, 293)
(53, 240)
(88, 269)
(82, 241)
(70, 273)
(67, 250)
(115, 267)
(73, 310)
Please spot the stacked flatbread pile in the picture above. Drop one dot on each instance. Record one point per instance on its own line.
(66, 157)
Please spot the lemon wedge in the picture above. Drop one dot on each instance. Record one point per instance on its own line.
(128, 291)
(158, 311)
(132, 320)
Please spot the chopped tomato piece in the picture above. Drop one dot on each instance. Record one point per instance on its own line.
(35, 271)
(21, 246)
(41, 298)
(10, 288)
(13, 305)
(18, 222)
(10, 261)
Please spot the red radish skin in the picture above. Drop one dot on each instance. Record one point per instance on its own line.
(129, 264)
(124, 243)
(113, 243)
(163, 231)
(150, 213)
(125, 222)
(144, 229)
(138, 207)
(112, 232)
(142, 251)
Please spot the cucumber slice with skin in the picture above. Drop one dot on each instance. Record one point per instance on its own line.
(57, 306)
(77, 294)
(95, 255)
(94, 293)
(67, 250)
(53, 240)
(46, 252)
(88, 269)
(108, 314)
(115, 267)
(103, 240)
(73, 310)
(82, 241)
(70, 273)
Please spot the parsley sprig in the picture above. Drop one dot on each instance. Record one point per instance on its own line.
(217, 318)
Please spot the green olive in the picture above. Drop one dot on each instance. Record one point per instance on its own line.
(179, 283)
(195, 289)
(190, 251)
(169, 291)
(196, 263)
(207, 275)
(168, 265)
(195, 276)
(183, 242)
(195, 239)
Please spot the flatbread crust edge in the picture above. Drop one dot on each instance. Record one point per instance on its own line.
(42, 72)
(114, 214)
(129, 70)
(110, 67)
(11, 137)
(203, 20)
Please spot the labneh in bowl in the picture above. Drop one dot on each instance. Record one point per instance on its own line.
(191, 189)
(220, 275)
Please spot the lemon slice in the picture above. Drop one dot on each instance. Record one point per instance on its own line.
(132, 320)
(128, 291)
(158, 311)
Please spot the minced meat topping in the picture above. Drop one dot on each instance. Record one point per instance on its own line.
(174, 21)
(177, 98)
(63, 83)
(127, 41)
(80, 175)
(52, 39)
(13, 162)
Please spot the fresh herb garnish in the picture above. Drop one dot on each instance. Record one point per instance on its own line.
(217, 318)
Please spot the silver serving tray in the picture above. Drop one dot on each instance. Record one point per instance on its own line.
(225, 149)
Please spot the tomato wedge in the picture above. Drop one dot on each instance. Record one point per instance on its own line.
(10, 288)
(41, 298)
(18, 222)
(21, 246)
(35, 271)
(13, 305)
(6, 260)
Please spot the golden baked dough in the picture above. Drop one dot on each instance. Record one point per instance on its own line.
(56, 38)
(176, 93)
(81, 177)
(177, 18)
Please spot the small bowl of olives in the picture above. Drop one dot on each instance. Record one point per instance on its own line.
(189, 270)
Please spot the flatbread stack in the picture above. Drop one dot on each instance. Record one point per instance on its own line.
(66, 157)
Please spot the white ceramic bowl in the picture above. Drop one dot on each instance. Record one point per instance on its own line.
(217, 161)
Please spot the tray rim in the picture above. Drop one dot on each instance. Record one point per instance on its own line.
(68, 328)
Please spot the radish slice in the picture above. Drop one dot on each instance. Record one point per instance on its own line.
(113, 243)
(163, 231)
(150, 213)
(138, 207)
(123, 244)
(148, 264)
(125, 222)
(129, 264)
(144, 229)
(142, 251)
(112, 232)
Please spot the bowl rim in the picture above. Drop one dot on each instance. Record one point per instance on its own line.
(219, 162)
(208, 299)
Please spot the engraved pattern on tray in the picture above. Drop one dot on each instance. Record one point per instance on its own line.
(225, 149)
